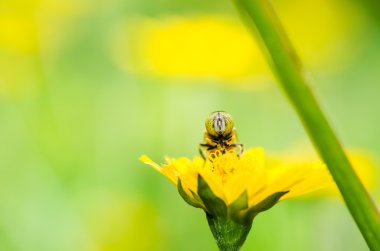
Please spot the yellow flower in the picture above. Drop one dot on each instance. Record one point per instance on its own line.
(232, 190)
(230, 176)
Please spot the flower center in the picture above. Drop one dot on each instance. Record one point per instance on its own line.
(224, 165)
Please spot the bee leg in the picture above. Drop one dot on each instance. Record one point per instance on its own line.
(241, 148)
(202, 151)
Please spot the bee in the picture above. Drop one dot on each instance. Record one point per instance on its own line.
(220, 136)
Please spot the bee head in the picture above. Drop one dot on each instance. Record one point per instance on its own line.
(219, 124)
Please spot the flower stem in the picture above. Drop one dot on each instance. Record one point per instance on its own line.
(289, 70)
(229, 234)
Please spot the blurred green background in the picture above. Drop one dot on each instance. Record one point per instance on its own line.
(86, 87)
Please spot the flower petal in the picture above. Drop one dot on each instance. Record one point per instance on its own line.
(236, 185)
(166, 170)
(144, 158)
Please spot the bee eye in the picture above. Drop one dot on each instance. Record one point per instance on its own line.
(210, 126)
(219, 123)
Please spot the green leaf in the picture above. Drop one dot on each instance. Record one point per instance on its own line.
(264, 205)
(214, 205)
(191, 201)
(196, 196)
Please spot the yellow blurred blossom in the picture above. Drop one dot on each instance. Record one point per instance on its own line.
(28, 28)
(116, 224)
(18, 33)
(220, 46)
(19, 21)
(205, 46)
(365, 167)
(321, 29)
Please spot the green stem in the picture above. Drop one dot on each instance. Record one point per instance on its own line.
(229, 234)
(290, 74)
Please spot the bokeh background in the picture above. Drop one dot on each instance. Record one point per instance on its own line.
(87, 86)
